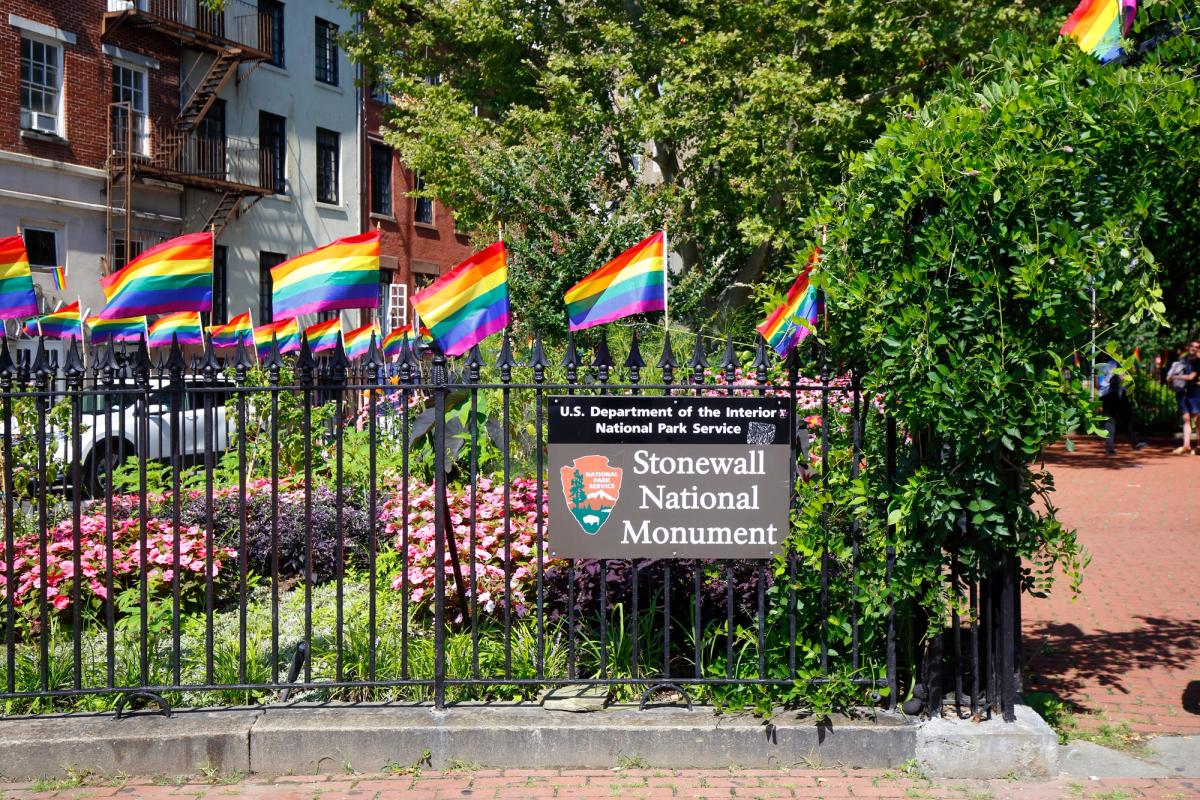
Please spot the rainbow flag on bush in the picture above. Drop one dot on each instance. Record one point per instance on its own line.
(324, 335)
(1097, 26)
(631, 283)
(358, 341)
(790, 323)
(469, 303)
(173, 276)
(342, 274)
(16, 281)
(285, 331)
(184, 324)
(237, 330)
(64, 323)
(127, 329)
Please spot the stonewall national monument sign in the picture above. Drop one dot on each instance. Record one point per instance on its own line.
(669, 477)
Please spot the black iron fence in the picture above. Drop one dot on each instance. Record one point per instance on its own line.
(232, 531)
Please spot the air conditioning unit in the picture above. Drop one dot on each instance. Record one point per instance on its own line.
(37, 121)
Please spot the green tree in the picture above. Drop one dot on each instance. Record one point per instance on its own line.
(581, 125)
(578, 493)
(961, 252)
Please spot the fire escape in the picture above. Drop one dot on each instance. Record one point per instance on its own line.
(191, 150)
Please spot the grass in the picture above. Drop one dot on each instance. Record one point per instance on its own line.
(1094, 727)
(631, 762)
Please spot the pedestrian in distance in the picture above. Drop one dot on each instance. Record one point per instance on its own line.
(1184, 378)
(1114, 401)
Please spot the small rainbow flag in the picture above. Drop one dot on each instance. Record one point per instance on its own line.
(184, 324)
(1097, 26)
(631, 283)
(60, 278)
(16, 281)
(237, 330)
(61, 324)
(469, 303)
(129, 329)
(791, 322)
(324, 335)
(358, 341)
(173, 276)
(342, 274)
(394, 341)
(285, 331)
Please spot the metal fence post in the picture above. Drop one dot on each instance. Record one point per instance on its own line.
(441, 529)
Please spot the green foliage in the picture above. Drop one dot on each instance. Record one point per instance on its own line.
(961, 250)
(581, 126)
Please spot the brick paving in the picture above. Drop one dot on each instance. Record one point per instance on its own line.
(1128, 648)
(642, 784)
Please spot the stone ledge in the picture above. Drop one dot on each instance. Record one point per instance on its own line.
(958, 748)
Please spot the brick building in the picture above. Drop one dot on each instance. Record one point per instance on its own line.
(418, 240)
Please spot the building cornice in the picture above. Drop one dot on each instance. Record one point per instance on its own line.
(50, 164)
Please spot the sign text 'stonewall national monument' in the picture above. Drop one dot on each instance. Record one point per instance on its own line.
(668, 477)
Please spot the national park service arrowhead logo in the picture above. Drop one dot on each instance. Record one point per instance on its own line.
(592, 487)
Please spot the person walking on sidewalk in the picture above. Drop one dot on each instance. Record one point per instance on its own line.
(1114, 400)
(1184, 378)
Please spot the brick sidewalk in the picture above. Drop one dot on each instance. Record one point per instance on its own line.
(644, 784)
(1129, 647)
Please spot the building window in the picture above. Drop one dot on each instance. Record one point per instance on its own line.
(41, 86)
(41, 246)
(220, 298)
(266, 285)
(381, 179)
(327, 166)
(423, 207)
(397, 305)
(327, 52)
(379, 91)
(129, 86)
(272, 140)
(271, 16)
(122, 255)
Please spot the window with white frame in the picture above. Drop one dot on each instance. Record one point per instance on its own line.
(397, 306)
(41, 246)
(41, 86)
(129, 86)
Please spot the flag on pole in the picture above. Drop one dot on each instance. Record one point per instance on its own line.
(17, 298)
(173, 276)
(1097, 26)
(358, 341)
(285, 331)
(791, 322)
(324, 335)
(469, 303)
(184, 324)
(631, 283)
(60, 278)
(342, 274)
(394, 341)
(65, 323)
(237, 330)
(127, 329)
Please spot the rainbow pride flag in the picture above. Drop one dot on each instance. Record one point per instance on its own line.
(791, 322)
(324, 335)
(285, 331)
(394, 341)
(184, 324)
(16, 281)
(64, 323)
(358, 341)
(127, 329)
(1097, 26)
(469, 303)
(237, 330)
(342, 274)
(173, 276)
(60, 278)
(631, 283)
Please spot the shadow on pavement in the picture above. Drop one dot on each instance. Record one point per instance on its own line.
(1064, 660)
(1089, 453)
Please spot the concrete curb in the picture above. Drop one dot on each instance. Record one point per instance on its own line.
(307, 740)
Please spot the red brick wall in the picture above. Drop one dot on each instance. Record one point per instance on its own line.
(404, 239)
(87, 79)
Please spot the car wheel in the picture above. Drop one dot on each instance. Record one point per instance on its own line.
(98, 469)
